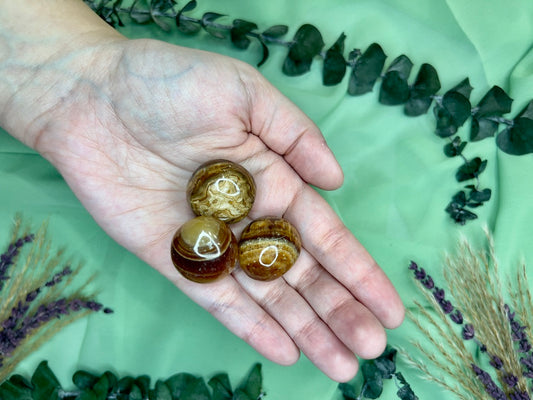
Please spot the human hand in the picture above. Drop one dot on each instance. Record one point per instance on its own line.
(131, 132)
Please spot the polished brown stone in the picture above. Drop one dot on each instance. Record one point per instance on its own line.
(268, 248)
(204, 249)
(221, 189)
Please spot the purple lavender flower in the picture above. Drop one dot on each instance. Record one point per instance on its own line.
(7, 258)
(468, 332)
(490, 387)
(518, 333)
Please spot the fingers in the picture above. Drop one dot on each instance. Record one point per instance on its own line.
(351, 321)
(327, 239)
(236, 310)
(308, 331)
(286, 130)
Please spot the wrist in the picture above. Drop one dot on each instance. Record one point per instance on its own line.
(50, 51)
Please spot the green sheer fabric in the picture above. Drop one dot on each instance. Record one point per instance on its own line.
(397, 184)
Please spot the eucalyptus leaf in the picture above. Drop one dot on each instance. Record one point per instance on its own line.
(125, 384)
(253, 383)
(140, 17)
(373, 388)
(275, 31)
(102, 387)
(406, 393)
(478, 197)
(20, 381)
(495, 103)
(451, 113)
(221, 387)
(45, 383)
(455, 147)
(239, 31)
(188, 387)
(160, 392)
(266, 53)
(12, 391)
(463, 88)
(307, 44)
(402, 65)
(427, 83)
(517, 139)
(482, 128)
(135, 393)
(186, 26)
(470, 169)
(366, 70)
(207, 19)
(348, 391)
(458, 213)
(143, 383)
(334, 63)
(84, 380)
(241, 395)
(394, 87)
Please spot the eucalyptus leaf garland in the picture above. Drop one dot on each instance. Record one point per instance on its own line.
(451, 109)
(44, 385)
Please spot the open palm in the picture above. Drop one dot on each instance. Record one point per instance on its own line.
(127, 140)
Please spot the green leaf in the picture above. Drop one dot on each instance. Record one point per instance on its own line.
(45, 383)
(188, 387)
(452, 112)
(143, 383)
(136, 393)
(239, 31)
(275, 31)
(125, 384)
(366, 70)
(265, 53)
(307, 44)
(420, 95)
(185, 26)
(463, 88)
(12, 391)
(455, 147)
(253, 383)
(334, 63)
(207, 19)
(160, 392)
(348, 391)
(102, 387)
(470, 169)
(457, 211)
(221, 387)
(478, 197)
(518, 138)
(373, 388)
(495, 103)
(482, 128)
(84, 380)
(241, 395)
(395, 88)
(406, 393)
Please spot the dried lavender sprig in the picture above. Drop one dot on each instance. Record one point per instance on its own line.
(468, 333)
(519, 335)
(490, 387)
(7, 258)
(19, 326)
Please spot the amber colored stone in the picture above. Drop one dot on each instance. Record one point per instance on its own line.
(268, 248)
(204, 249)
(221, 189)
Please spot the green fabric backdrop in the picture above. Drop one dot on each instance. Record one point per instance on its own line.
(397, 184)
